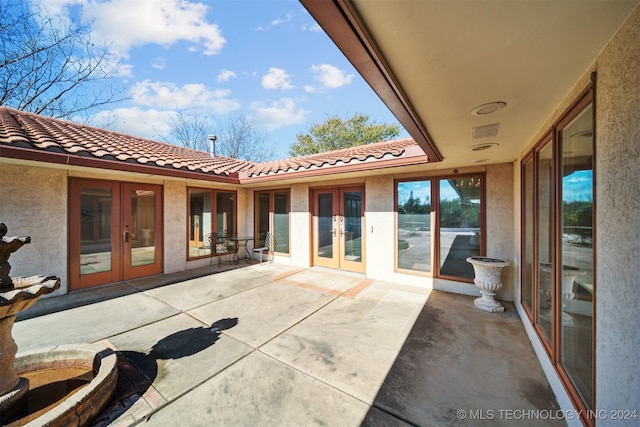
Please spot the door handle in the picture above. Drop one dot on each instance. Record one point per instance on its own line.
(126, 234)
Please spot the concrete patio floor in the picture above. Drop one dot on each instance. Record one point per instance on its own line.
(274, 345)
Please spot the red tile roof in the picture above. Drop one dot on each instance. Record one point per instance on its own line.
(24, 130)
(362, 153)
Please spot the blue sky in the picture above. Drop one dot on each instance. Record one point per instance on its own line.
(215, 58)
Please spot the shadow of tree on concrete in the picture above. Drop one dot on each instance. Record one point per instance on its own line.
(137, 371)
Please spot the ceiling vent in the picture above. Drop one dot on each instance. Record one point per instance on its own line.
(485, 131)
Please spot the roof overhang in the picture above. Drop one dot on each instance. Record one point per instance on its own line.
(29, 155)
(433, 62)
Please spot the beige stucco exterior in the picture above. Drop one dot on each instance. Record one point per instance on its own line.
(51, 196)
(36, 204)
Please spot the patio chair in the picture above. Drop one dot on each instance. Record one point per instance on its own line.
(209, 242)
(268, 248)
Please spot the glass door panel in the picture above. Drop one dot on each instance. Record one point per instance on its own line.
(143, 224)
(262, 227)
(576, 215)
(96, 243)
(351, 230)
(338, 228)
(545, 254)
(326, 229)
(460, 229)
(281, 221)
(95, 247)
(142, 236)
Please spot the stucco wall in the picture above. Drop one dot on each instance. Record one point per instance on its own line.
(618, 223)
(380, 227)
(35, 204)
(499, 224)
(300, 227)
(175, 226)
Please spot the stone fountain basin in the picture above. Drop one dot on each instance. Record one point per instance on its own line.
(83, 405)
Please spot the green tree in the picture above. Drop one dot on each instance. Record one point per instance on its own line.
(336, 133)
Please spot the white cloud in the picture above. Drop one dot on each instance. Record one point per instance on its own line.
(135, 121)
(159, 63)
(278, 114)
(225, 75)
(309, 88)
(278, 21)
(167, 95)
(123, 24)
(314, 28)
(288, 17)
(277, 78)
(331, 77)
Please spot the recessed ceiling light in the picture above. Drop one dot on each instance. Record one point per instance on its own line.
(483, 147)
(491, 107)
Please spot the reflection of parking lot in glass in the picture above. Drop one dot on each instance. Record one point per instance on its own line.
(577, 251)
(414, 242)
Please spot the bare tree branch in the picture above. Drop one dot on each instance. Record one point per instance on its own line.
(188, 130)
(237, 138)
(50, 67)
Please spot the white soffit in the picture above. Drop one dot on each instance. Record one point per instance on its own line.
(452, 56)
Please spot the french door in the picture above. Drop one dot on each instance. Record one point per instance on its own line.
(115, 231)
(338, 228)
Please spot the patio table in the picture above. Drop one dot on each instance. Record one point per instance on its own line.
(243, 242)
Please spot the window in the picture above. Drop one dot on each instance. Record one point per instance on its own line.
(209, 211)
(459, 208)
(272, 214)
(558, 254)
(458, 202)
(527, 233)
(413, 200)
(576, 251)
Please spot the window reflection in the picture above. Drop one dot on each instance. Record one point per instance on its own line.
(576, 215)
(95, 230)
(272, 213)
(209, 211)
(459, 208)
(545, 240)
(414, 225)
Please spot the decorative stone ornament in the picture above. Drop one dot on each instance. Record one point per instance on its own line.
(80, 407)
(487, 279)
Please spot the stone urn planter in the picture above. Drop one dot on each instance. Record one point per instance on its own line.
(487, 279)
(569, 275)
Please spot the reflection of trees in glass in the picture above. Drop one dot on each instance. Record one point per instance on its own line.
(456, 213)
(577, 213)
(414, 206)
